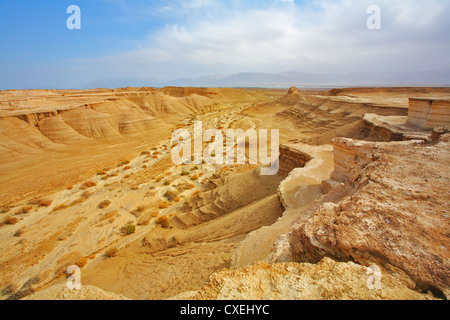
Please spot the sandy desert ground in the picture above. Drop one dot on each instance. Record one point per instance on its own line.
(87, 179)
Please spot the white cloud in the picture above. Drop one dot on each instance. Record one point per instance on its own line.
(327, 36)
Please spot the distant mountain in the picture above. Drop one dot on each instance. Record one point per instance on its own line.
(287, 79)
(292, 78)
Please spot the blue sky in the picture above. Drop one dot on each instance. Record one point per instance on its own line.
(166, 40)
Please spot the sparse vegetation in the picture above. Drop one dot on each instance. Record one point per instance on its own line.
(24, 210)
(128, 229)
(87, 185)
(19, 232)
(123, 163)
(163, 205)
(82, 262)
(111, 252)
(163, 222)
(10, 220)
(170, 195)
(104, 204)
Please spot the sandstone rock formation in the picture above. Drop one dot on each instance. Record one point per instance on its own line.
(397, 218)
(327, 280)
(62, 292)
(429, 113)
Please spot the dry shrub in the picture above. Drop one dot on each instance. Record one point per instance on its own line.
(155, 157)
(127, 176)
(155, 214)
(104, 204)
(82, 262)
(145, 153)
(10, 220)
(19, 232)
(163, 222)
(111, 252)
(128, 229)
(87, 185)
(184, 173)
(194, 177)
(123, 163)
(127, 168)
(196, 193)
(144, 166)
(163, 205)
(166, 183)
(24, 210)
(177, 199)
(170, 195)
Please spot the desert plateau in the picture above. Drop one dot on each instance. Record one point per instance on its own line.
(358, 209)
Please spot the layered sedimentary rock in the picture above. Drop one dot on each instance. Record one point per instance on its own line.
(397, 217)
(429, 113)
(290, 159)
(349, 157)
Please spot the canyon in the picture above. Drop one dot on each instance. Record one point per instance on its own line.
(87, 179)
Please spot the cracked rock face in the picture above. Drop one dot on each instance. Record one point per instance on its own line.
(398, 218)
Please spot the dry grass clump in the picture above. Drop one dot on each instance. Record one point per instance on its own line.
(154, 214)
(111, 252)
(127, 168)
(104, 204)
(87, 185)
(184, 173)
(194, 177)
(177, 199)
(70, 188)
(41, 202)
(145, 153)
(127, 176)
(170, 195)
(163, 222)
(128, 229)
(10, 220)
(164, 205)
(24, 210)
(19, 232)
(123, 163)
